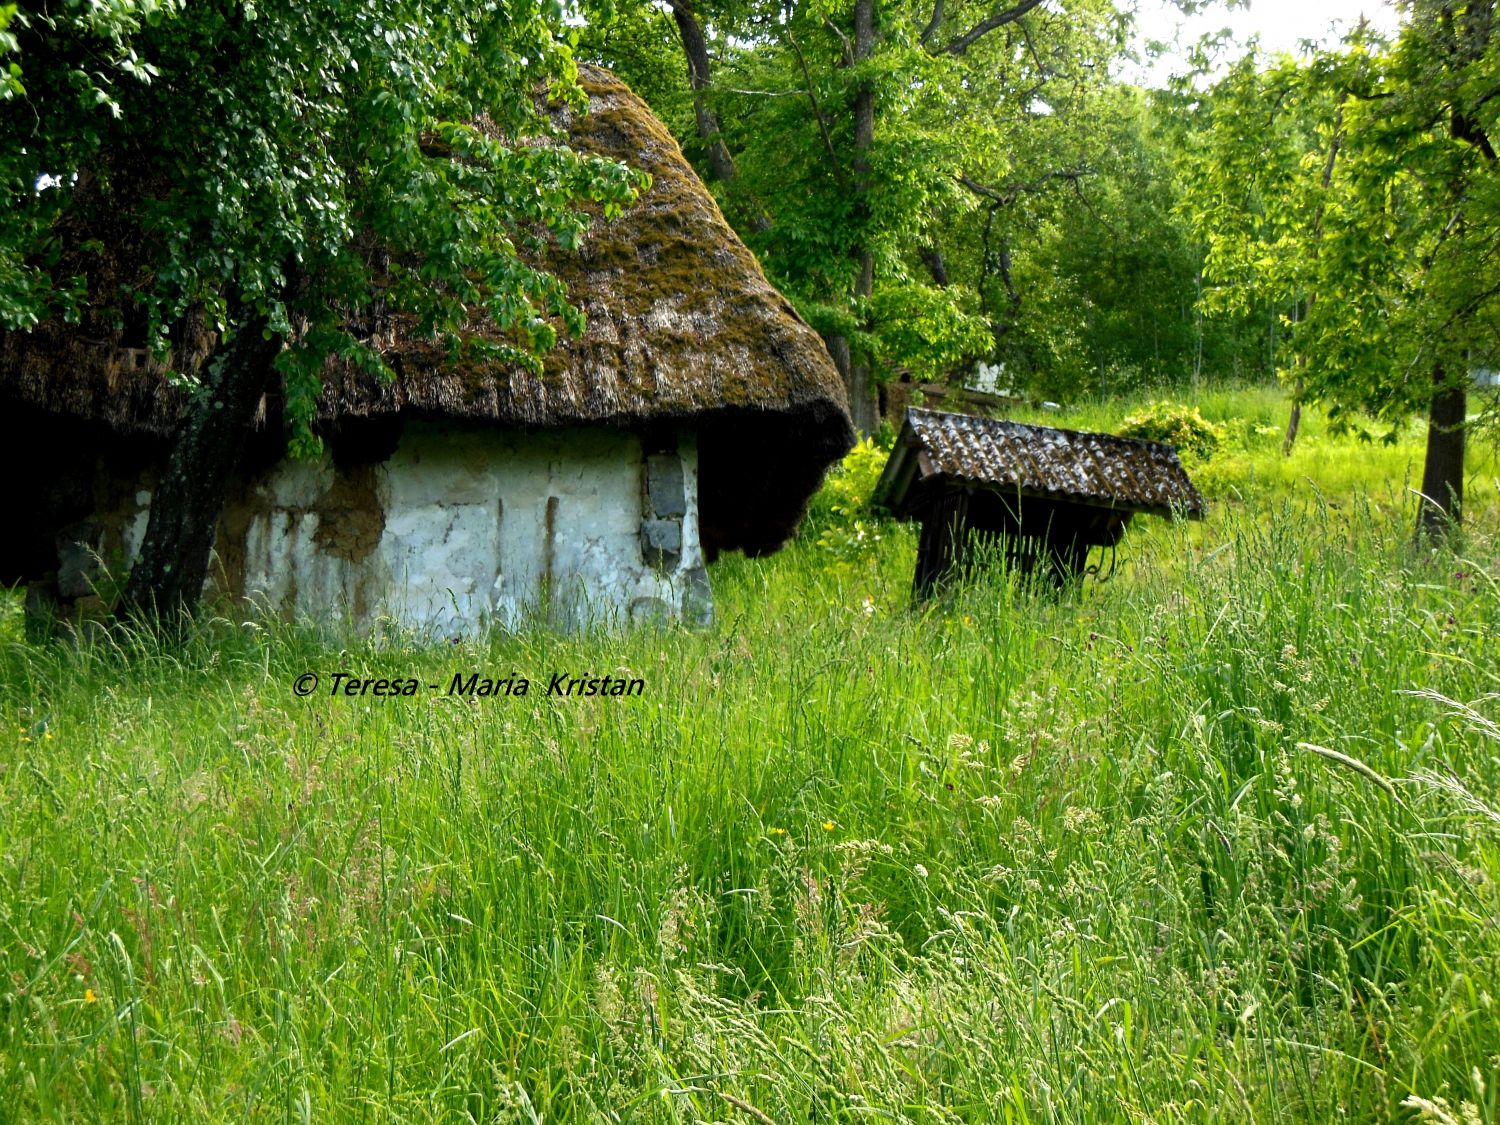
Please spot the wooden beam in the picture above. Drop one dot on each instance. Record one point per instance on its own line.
(943, 546)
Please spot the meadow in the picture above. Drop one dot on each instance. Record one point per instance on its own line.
(1217, 839)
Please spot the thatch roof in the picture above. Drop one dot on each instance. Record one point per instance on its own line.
(683, 328)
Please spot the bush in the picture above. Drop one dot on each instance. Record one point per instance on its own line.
(1181, 427)
(840, 513)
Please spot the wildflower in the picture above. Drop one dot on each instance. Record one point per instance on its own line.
(776, 831)
(920, 870)
(828, 826)
(89, 997)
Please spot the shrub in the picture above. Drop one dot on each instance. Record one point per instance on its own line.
(841, 513)
(1181, 427)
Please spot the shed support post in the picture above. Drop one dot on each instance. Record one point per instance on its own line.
(943, 543)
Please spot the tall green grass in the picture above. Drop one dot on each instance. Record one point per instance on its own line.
(1215, 840)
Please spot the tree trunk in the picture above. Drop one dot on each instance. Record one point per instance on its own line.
(1441, 507)
(864, 406)
(861, 384)
(1334, 143)
(1294, 419)
(838, 351)
(695, 47)
(936, 265)
(166, 581)
(1294, 422)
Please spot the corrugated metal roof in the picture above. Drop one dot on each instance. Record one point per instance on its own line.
(1058, 464)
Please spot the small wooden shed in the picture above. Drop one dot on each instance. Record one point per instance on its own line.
(1043, 496)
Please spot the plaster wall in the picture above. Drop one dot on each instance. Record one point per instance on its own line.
(466, 529)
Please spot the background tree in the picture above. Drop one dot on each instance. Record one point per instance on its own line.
(281, 168)
(965, 182)
(1422, 187)
(840, 135)
(1257, 154)
(1088, 275)
(1358, 190)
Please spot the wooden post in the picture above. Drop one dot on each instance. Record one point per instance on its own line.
(943, 542)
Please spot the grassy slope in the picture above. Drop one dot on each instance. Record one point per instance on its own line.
(1003, 859)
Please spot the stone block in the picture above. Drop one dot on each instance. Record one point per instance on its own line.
(650, 612)
(89, 618)
(665, 488)
(77, 560)
(697, 598)
(661, 542)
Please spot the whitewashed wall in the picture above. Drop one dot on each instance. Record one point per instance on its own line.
(467, 541)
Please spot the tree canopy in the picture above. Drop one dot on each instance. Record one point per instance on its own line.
(936, 184)
(277, 171)
(1356, 191)
(949, 181)
(248, 140)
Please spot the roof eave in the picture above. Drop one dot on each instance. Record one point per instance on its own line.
(906, 511)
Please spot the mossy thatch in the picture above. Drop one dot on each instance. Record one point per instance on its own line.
(683, 330)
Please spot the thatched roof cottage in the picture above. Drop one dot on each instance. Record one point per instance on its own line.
(695, 415)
